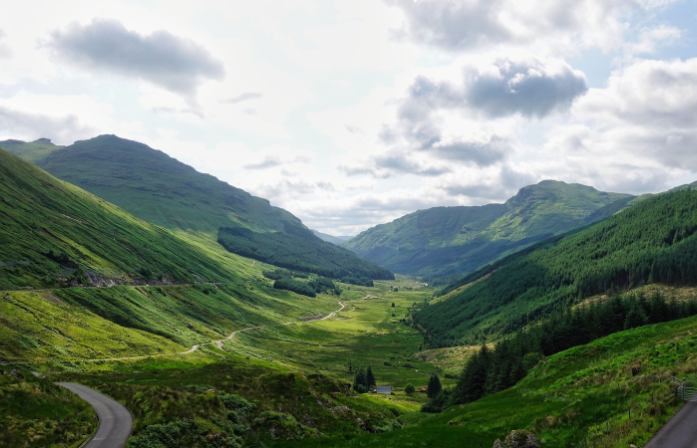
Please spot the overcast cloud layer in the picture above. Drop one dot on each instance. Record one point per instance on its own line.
(353, 113)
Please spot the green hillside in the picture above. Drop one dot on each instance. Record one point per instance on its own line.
(63, 241)
(31, 151)
(445, 241)
(159, 189)
(651, 242)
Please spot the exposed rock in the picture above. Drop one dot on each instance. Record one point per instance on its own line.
(190, 326)
(309, 421)
(519, 438)
(16, 374)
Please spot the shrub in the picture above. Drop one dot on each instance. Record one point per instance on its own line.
(409, 389)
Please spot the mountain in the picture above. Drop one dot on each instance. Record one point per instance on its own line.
(57, 242)
(330, 238)
(31, 151)
(445, 241)
(158, 188)
(655, 241)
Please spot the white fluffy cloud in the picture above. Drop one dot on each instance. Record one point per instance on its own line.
(350, 113)
(457, 25)
(162, 58)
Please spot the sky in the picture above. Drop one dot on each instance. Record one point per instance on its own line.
(352, 113)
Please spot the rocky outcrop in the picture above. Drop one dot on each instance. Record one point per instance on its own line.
(519, 438)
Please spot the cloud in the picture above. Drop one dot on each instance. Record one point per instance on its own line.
(505, 86)
(5, 51)
(391, 163)
(499, 187)
(19, 124)
(531, 87)
(456, 25)
(275, 160)
(243, 97)
(177, 64)
(441, 121)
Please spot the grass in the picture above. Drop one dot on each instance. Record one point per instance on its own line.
(565, 396)
(37, 413)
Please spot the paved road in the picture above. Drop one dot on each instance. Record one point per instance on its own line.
(115, 422)
(680, 431)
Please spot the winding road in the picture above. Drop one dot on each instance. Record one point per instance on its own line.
(115, 421)
(680, 431)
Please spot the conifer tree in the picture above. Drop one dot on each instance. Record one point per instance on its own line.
(359, 381)
(434, 386)
(370, 378)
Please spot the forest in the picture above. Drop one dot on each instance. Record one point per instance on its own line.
(311, 289)
(300, 251)
(652, 242)
(493, 370)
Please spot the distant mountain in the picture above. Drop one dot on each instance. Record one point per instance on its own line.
(654, 241)
(330, 238)
(445, 241)
(31, 151)
(158, 188)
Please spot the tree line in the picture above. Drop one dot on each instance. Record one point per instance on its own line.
(654, 241)
(301, 251)
(492, 370)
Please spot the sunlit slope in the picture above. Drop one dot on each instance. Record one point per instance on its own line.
(456, 240)
(652, 242)
(51, 232)
(564, 396)
(160, 189)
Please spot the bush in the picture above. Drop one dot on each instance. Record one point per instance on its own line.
(277, 274)
(289, 284)
(409, 389)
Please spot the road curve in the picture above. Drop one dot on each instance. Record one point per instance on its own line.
(680, 431)
(115, 422)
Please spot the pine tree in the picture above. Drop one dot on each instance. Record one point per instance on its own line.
(434, 386)
(359, 381)
(370, 378)
(635, 317)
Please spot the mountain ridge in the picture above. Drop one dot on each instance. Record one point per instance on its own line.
(444, 241)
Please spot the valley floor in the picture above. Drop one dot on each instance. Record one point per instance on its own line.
(297, 376)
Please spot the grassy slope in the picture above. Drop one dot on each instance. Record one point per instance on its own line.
(41, 213)
(455, 240)
(564, 396)
(365, 331)
(37, 413)
(619, 252)
(31, 151)
(159, 189)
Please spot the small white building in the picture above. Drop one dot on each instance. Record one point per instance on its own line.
(385, 390)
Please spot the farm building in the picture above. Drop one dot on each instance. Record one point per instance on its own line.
(422, 390)
(386, 390)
